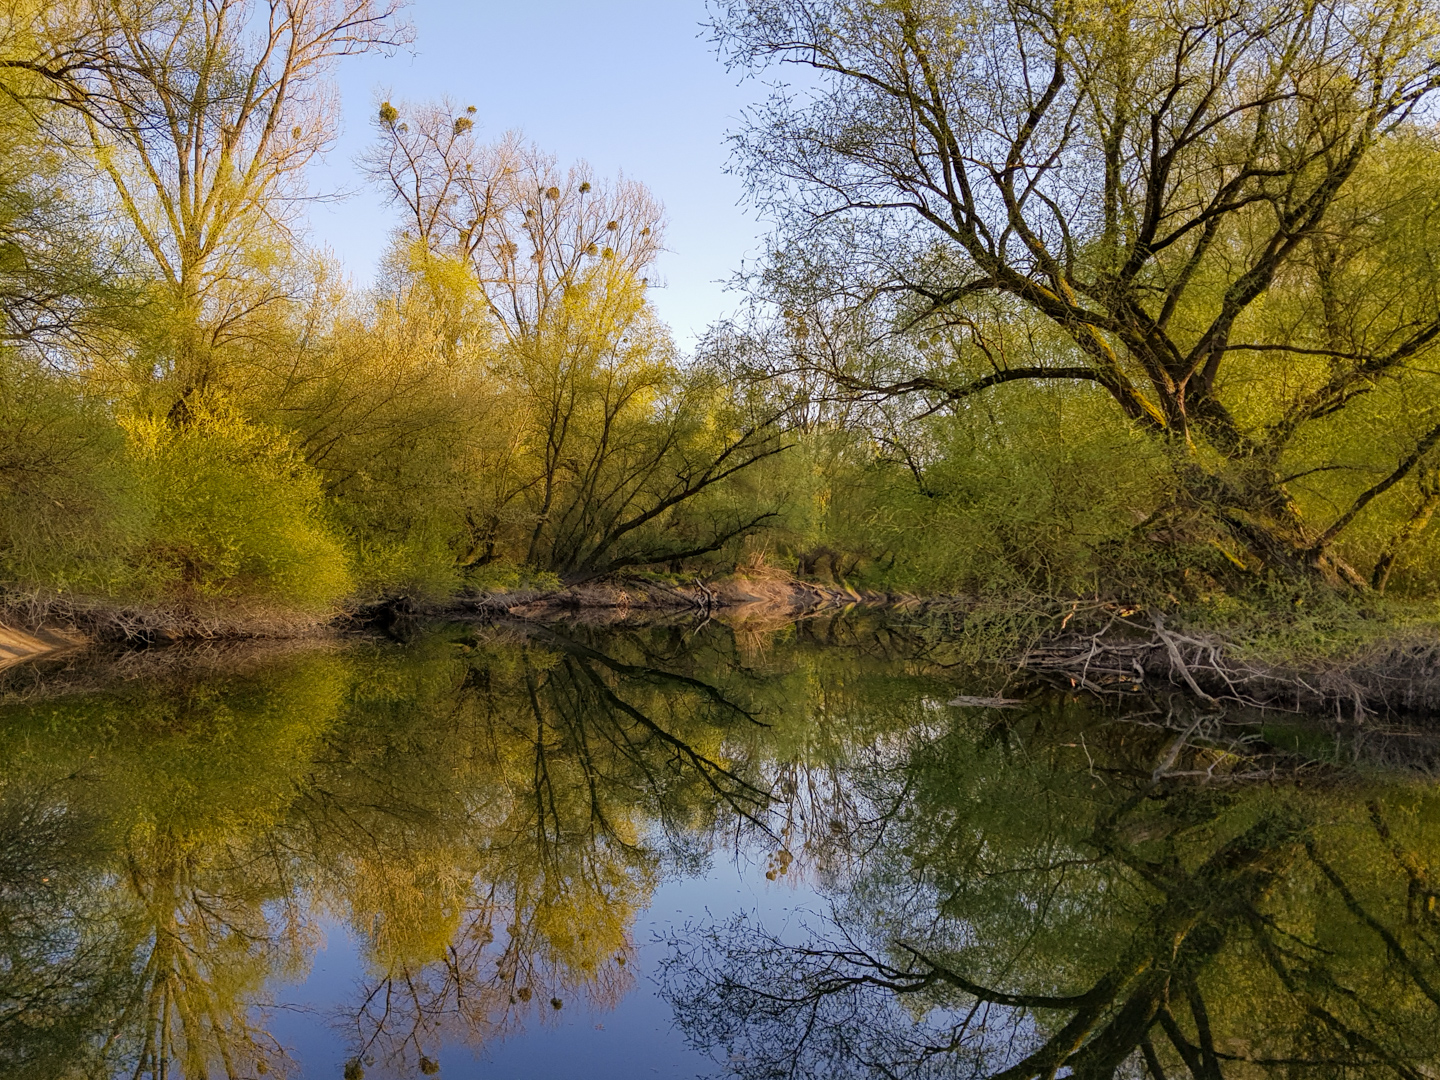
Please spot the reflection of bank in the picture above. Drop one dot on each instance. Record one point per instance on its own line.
(481, 812)
(1047, 902)
(19, 646)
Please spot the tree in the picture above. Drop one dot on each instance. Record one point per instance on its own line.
(611, 436)
(205, 114)
(1122, 192)
(65, 286)
(47, 51)
(504, 211)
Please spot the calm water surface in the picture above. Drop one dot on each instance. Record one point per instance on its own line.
(679, 852)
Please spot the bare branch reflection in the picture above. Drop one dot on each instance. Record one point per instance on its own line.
(1050, 905)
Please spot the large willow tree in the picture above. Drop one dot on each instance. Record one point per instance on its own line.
(1191, 206)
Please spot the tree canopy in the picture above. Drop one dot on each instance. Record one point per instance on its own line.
(1198, 209)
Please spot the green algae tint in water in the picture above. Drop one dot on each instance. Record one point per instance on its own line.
(656, 852)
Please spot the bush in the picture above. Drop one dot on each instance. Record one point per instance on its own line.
(1038, 502)
(68, 511)
(232, 517)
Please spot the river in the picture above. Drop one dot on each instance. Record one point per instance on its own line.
(827, 848)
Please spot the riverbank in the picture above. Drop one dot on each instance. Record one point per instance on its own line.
(1348, 663)
(1352, 663)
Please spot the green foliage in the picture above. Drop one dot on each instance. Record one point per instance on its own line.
(1034, 497)
(395, 416)
(233, 515)
(67, 509)
(1103, 202)
(501, 577)
(283, 442)
(1028, 502)
(505, 408)
(219, 517)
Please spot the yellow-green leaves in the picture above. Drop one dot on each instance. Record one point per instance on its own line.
(234, 518)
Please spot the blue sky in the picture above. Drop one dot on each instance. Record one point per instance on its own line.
(627, 85)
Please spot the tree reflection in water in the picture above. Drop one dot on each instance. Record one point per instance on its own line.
(511, 889)
(1066, 900)
(487, 812)
(144, 918)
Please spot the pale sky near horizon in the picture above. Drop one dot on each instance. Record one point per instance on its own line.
(628, 85)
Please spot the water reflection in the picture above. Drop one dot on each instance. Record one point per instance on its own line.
(144, 904)
(1066, 899)
(1019, 893)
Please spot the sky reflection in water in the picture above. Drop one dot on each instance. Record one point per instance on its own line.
(764, 852)
(635, 1039)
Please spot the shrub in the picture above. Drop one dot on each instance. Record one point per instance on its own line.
(233, 516)
(68, 511)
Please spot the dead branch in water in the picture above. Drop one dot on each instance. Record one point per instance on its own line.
(1126, 657)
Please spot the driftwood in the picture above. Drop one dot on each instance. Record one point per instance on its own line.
(20, 646)
(1126, 657)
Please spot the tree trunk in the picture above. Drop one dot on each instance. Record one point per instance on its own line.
(1247, 500)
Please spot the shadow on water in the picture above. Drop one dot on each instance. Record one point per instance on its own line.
(1031, 891)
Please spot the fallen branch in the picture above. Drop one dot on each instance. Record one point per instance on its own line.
(1126, 657)
(1177, 660)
